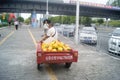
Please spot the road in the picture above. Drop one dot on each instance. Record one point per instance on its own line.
(18, 60)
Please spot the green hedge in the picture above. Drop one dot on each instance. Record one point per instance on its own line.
(114, 23)
(3, 25)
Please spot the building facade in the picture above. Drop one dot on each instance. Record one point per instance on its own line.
(114, 3)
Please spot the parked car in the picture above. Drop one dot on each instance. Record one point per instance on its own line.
(114, 41)
(69, 30)
(88, 35)
(59, 28)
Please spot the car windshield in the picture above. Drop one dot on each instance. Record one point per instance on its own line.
(88, 30)
(116, 32)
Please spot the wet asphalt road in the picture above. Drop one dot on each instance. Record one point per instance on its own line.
(18, 60)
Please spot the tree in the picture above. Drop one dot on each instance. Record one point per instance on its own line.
(100, 21)
(21, 19)
(63, 19)
(94, 21)
(28, 20)
(70, 19)
(86, 21)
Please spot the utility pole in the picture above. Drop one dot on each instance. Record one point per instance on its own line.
(47, 13)
(77, 21)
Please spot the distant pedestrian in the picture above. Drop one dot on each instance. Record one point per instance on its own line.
(16, 24)
(9, 24)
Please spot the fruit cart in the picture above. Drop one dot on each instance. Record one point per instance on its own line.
(66, 57)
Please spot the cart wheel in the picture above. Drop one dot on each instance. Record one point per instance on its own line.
(67, 65)
(38, 66)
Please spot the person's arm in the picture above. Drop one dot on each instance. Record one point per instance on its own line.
(46, 35)
(44, 38)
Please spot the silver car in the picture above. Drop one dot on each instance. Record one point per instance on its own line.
(114, 41)
(69, 30)
(88, 35)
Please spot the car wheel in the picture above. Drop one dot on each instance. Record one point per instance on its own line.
(38, 66)
(67, 65)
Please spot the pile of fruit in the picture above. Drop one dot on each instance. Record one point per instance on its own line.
(55, 46)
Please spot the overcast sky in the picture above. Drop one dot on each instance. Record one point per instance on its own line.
(93, 1)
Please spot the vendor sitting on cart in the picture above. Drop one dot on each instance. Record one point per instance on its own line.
(51, 34)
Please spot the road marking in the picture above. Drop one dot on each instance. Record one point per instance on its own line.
(49, 70)
(4, 39)
(33, 38)
(51, 73)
